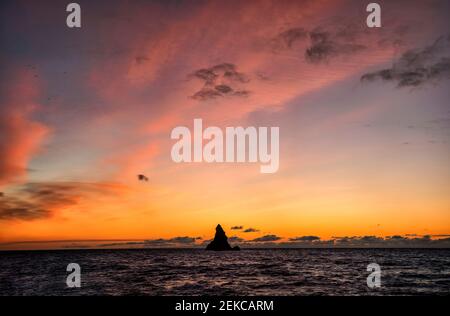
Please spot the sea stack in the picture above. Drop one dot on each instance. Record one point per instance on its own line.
(220, 242)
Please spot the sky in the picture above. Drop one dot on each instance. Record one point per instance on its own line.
(363, 114)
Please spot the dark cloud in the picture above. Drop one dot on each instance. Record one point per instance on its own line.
(142, 177)
(235, 239)
(38, 200)
(230, 72)
(76, 246)
(251, 230)
(395, 241)
(157, 242)
(323, 42)
(358, 240)
(268, 241)
(305, 238)
(324, 46)
(266, 238)
(417, 67)
(35, 201)
(288, 38)
(206, 94)
(206, 75)
(21, 210)
(219, 81)
(171, 242)
(181, 241)
(399, 241)
(115, 244)
(223, 89)
(237, 227)
(241, 93)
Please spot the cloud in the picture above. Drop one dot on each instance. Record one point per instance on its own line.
(237, 227)
(20, 136)
(21, 210)
(180, 241)
(183, 240)
(305, 238)
(222, 88)
(35, 201)
(251, 230)
(142, 177)
(358, 240)
(392, 241)
(115, 244)
(39, 200)
(228, 71)
(76, 246)
(417, 67)
(322, 42)
(219, 81)
(206, 94)
(324, 46)
(271, 241)
(288, 38)
(235, 239)
(395, 241)
(266, 238)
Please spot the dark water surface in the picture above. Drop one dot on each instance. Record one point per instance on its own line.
(247, 272)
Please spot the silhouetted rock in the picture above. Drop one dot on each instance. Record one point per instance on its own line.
(220, 242)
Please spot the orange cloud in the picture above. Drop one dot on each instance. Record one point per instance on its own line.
(20, 136)
(38, 200)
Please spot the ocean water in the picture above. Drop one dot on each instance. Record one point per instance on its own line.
(246, 272)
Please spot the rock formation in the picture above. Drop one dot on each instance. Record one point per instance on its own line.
(220, 242)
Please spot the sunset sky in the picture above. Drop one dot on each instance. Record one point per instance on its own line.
(364, 118)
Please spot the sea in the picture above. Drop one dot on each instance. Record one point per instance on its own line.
(249, 272)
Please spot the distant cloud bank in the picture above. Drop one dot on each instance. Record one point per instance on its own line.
(265, 241)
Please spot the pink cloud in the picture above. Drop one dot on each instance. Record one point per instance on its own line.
(150, 83)
(20, 135)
